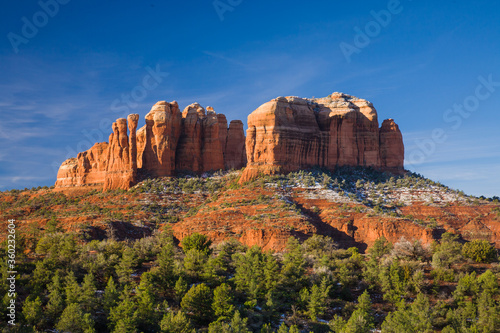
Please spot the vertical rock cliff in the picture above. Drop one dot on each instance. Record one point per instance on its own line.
(285, 134)
(292, 133)
(170, 142)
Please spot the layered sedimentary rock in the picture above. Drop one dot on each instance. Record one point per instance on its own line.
(190, 142)
(203, 140)
(162, 131)
(170, 142)
(285, 134)
(121, 170)
(292, 133)
(88, 168)
(235, 152)
(391, 146)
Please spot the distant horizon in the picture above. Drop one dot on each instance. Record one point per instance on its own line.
(69, 69)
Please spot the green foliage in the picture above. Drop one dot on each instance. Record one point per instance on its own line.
(237, 325)
(111, 295)
(479, 251)
(360, 321)
(223, 302)
(318, 300)
(123, 317)
(249, 276)
(198, 304)
(467, 286)
(71, 289)
(380, 247)
(74, 320)
(149, 285)
(165, 273)
(194, 263)
(146, 312)
(126, 266)
(178, 323)
(87, 293)
(32, 311)
(56, 303)
(198, 242)
(415, 318)
(181, 287)
(447, 252)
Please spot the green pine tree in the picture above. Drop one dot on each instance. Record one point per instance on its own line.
(32, 311)
(71, 289)
(87, 297)
(75, 320)
(178, 323)
(222, 305)
(111, 295)
(198, 304)
(123, 317)
(56, 304)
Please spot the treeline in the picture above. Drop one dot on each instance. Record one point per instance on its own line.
(154, 285)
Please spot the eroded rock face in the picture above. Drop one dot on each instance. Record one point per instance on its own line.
(211, 151)
(190, 142)
(163, 129)
(235, 153)
(170, 142)
(88, 168)
(392, 150)
(292, 133)
(285, 134)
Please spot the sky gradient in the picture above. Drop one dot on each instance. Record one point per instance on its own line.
(70, 68)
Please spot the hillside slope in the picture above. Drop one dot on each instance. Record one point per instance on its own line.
(354, 206)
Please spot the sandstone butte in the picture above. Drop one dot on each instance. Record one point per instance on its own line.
(196, 140)
(285, 134)
(292, 133)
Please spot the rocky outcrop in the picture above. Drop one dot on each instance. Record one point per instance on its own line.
(285, 134)
(392, 150)
(162, 130)
(88, 168)
(213, 158)
(235, 152)
(292, 133)
(201, 147)
(190, 142)
(170, 142)
(120, 172)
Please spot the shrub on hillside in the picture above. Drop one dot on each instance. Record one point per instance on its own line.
(479, 251)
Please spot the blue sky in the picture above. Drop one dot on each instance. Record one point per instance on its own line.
(416, 61)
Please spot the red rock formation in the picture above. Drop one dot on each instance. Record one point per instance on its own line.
(222, 130)
(285, 134)
(163, 129)
(169, 142)
(213, 158)
(288, 134)
(189, 147)
(235, 153)
(392, 150)
(121, 171)
(87, 169)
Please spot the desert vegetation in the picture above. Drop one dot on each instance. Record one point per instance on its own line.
(155, 285)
